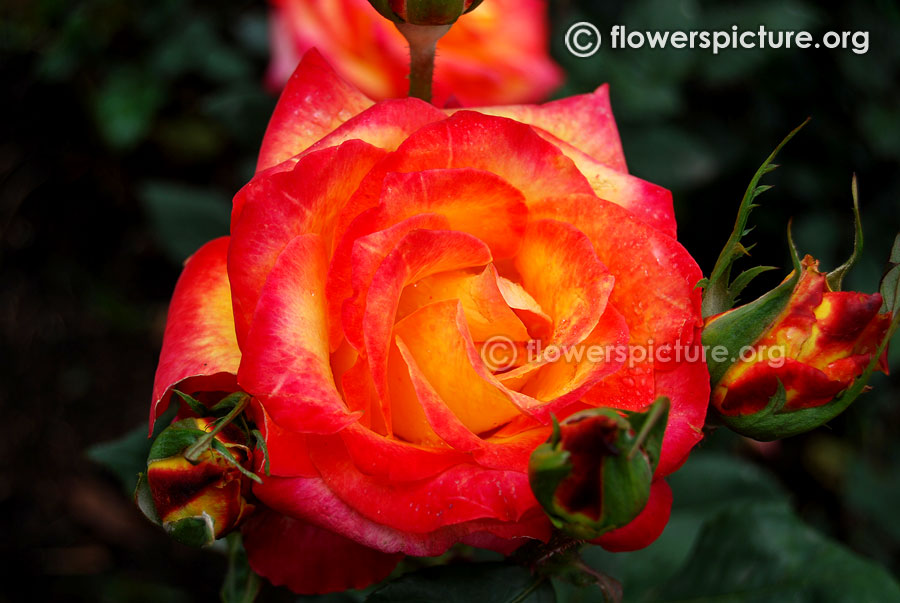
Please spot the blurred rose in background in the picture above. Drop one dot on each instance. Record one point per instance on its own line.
(497, 54)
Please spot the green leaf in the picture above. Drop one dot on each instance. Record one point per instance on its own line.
(890, 283)
(184, 217)
(495, 582)
(763, 552)
(124, 457)
(241, 584)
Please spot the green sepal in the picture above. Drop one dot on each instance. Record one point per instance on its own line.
(193, 403)
(261, 444)
(719, 292)
(173, 440)
(227, 404)
(226, 454)
(425, 12)
(744, 279)
(193, 531)
(548, 466)
(835, 278)
(384, 9)
(650, 427)
(743, 326)
(143, 498)
(434, 12)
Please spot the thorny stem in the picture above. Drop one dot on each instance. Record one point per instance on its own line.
(422, 43)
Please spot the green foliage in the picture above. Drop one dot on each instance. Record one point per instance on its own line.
(733, 537)
(184, 217)
(493, 582)
(762, 552)
(890, 284)
(124, 457)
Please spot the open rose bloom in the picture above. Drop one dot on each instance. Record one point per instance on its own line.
(496, 54)
(376, 255)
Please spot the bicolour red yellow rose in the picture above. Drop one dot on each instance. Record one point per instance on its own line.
(496, 54)
(375, 254)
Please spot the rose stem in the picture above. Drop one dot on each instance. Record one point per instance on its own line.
(422, 42)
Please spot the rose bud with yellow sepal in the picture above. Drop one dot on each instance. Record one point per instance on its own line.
(594, 474)
(197, 481)
(787, 379)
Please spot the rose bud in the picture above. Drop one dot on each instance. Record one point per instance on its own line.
(197, 484)
(594, 473)
(424, 12)
(791, 370)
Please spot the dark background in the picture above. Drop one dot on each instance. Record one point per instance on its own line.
(127, 128)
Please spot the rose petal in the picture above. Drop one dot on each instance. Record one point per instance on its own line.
(419, 254)
(584, 121)
(749, 392)
(487, 313)
(687, 387)
(508, 149)
(309, 559)
(396, 460)
(473, 201)
(199, 341)
(560, 270)
(435, 343)
(655, 276)
(460, 494)
(311, 500)
(579, 366)
(287, 451)
(286, 358)
(354, 266)
(314, 102)
(277, 207)
(384, 125)
(649, 202)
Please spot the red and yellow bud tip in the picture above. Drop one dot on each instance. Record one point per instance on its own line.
(202, 499)
(424, 12)
(594, 473)
(820, 342)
